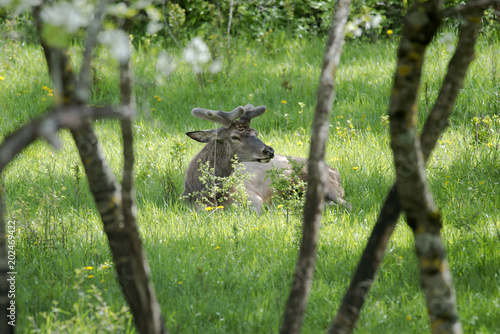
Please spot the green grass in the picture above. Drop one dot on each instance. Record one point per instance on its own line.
(230, 271)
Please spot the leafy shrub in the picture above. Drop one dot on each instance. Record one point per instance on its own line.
(221, 189)
(288, 190)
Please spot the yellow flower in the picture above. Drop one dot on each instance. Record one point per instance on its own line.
(255, 64)
(208, 208)
(408, 317)
(88, 268)
(481, 182)
(217, 247)
(1, 78)
(280, 206)
(90, 276)
(220, 207)
(180, 282)
(355, 168)
(446, 182)
(299, 143)
(389, 32)
(102, 281)
(105, 266)
(283, 101)
(489, 145)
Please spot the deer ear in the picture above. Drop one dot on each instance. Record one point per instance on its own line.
(203, 136)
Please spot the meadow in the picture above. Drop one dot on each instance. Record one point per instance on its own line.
(229, 271)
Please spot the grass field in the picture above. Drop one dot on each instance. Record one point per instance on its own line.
(229, 271)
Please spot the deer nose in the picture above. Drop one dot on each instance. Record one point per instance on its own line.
(269, 152)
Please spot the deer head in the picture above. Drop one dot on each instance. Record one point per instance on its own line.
(235, 135)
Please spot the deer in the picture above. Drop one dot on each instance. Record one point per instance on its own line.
(234, 138)
(237, 138)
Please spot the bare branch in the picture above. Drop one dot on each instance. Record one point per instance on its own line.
(82, 91)
(299, 295)
(167, 26)
(231, 5)
(47, 126)
(474, 6)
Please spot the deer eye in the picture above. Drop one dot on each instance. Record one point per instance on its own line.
(235, 138)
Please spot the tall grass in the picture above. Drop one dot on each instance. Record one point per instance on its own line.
(230, 270)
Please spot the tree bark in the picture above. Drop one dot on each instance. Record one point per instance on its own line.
(45, 127)
(437, 121)
(116, 206)
(299, 295)
(416, 200)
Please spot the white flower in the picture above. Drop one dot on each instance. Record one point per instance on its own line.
(65, 15)
(118, 43)
(216, 66)
(196, 52)
(165, 64)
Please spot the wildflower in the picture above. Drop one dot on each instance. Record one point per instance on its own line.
(280, 206)
(180, 282)
(217, 247)
(88, 268)
(153, 109)
(105, 266)
(301, 104)
(481, 183)
(43, 99)
(299, 143)
(255, 64)
(90, 276)
(446, 182)
(2, 78)
(102, 281)
(355, 168)
(283, 101)
(389, 32)
(220, 207)
(408, 317)
(489, 145)
(208, 208)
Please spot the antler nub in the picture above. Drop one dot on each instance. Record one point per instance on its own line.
(226, 119)
(252, 112)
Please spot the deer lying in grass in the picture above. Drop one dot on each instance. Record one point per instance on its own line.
(237, 138)
(234, 138)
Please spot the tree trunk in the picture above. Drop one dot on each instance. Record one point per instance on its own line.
(437, 121)
(299, 295)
